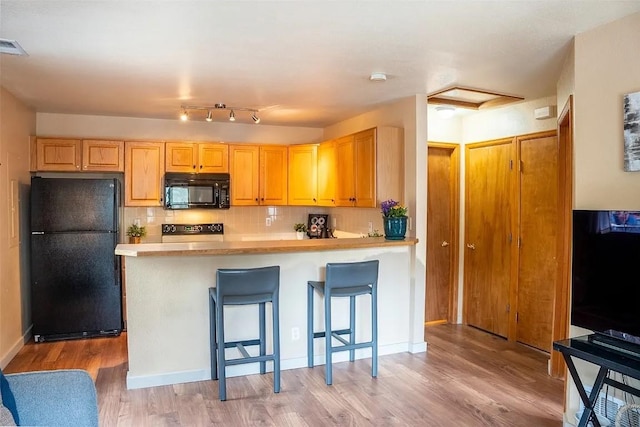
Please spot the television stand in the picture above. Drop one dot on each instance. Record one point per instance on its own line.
(608, 358)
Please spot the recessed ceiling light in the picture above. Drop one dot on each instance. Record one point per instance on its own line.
(445, 111)
(12, 48)
(378, 77)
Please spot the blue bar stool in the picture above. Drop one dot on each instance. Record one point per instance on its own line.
(344, 280)
(242, 287)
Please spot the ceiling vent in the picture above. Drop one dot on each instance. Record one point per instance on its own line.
(11, 47)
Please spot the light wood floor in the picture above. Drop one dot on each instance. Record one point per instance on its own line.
(467, 378)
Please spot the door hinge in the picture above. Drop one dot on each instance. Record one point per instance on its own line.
(519, 242)
(510, 237)
(517, 317)
(511, 164)
(521, 165)
(508, 308)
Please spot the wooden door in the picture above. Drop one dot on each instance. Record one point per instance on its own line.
(244, 169)
(365, 168)
(303, 175)
(144, 170)
(488, 235)
(213, 158)
(345, 164)
(327, 173)
(442, 226)
(105, 156)
(54, 154)
(273, 175)
(181, 157)
(537, 255)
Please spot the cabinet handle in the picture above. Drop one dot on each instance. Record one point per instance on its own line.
(471, 246)
(194, 166)
(262, 199)
(200, 166)
(445, 243)
(256, 200)
(314, 200)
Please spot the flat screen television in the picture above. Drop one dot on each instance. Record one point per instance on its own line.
(606, 271)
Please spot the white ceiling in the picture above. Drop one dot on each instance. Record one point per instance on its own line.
(302, 63)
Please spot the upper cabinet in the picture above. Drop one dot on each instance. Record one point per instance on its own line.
(303, 175)
(144, 170)
(258, 175)
(64, 155)
(327, 173)
(370, 167)
(201, 157)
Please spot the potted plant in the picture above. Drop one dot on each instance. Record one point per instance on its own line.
(394, 217)
(301, 229)
(136, 232)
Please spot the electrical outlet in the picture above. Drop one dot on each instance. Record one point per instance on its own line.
(295, 334)
(370, 227)
(137, 222)
(334, 222)
(268, 222)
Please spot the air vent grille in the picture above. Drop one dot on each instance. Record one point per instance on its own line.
(11, 47)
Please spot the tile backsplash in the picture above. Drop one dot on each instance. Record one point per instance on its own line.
(252, 219)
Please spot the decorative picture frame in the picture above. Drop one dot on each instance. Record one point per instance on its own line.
(631, 112)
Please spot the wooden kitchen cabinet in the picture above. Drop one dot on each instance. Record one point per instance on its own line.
(102, 155)
(327, 173)
(90, 155)
(303, 175)
(192, 157)
(258, 175)
(370, 167)
(54, 154)
(144, 170)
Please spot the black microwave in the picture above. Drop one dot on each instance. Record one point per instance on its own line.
(196, 191)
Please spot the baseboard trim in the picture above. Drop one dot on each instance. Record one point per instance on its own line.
(15, 348)
(144, 381)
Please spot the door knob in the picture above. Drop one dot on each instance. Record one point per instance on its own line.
(445, 243)
(471, 246)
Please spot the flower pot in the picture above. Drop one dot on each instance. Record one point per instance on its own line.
(134, 239)
(300, 235)
(395, 228)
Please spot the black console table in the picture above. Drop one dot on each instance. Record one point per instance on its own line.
(608, 358)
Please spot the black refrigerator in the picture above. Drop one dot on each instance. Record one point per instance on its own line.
(75, 274)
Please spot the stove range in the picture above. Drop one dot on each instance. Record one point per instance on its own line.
(173, 233)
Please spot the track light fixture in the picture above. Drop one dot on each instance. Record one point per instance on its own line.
(212, 108)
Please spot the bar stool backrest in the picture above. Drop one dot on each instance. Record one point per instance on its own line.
(247, 281)
(350, 274)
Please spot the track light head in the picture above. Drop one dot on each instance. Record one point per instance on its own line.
(184, 116)
(200, 109)
(209, 116)
(232, 116)
(255, 118)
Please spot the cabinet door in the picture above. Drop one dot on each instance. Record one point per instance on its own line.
(327, 174)
(273, 175)
(213, 158)
(100, 155)
(244, 169)
(144, 169)
(181, 157)
(365, 167)
(303, 175)
(345, 161)
(487, 267)
(58, 154)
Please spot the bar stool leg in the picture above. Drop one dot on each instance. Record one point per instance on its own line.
(352, 326)
(310, 334)
(327, 336)
(275, 308)
(263, 341)
(213, 343)
(374, 332)
(222, 372)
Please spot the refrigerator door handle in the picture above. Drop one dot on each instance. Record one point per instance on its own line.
(37, 232)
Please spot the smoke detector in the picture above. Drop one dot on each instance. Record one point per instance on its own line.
(378, 77)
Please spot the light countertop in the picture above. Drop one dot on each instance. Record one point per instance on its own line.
(255, 247)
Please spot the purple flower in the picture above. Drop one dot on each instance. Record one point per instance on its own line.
(392, 209)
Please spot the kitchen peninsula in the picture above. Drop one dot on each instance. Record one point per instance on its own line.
(168, 308)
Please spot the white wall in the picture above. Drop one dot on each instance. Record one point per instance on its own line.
(607, 66)
(17, 123)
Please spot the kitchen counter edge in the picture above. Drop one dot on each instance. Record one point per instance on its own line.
(255, 247)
